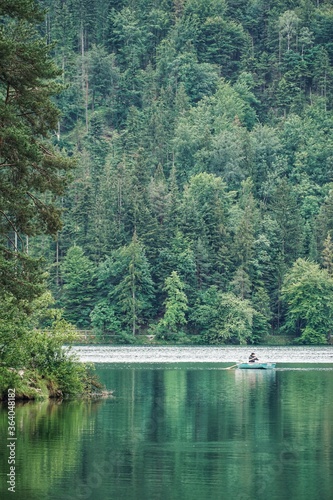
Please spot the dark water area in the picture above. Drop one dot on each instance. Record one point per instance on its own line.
(180, 431)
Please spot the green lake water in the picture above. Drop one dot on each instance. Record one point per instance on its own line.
(180, 432)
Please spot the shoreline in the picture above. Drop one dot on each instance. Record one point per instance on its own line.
(31, 386)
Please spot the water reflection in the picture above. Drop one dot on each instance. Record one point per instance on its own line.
(255, 377)
(182, 434)
(48, 444)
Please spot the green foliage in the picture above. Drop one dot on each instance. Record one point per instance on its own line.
(235, 320)
(175, 306)
(126, 290)
(32, 170)
(134, 292)
(202, 127)
(328, 255)
(13, 332)
(33, 357)
(125, 338)
(104, 319)
(225, 318)
(78, 274)
(308, 293)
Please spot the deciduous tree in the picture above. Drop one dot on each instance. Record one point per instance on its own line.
(308, 293)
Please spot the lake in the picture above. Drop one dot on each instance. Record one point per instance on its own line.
(180, 427)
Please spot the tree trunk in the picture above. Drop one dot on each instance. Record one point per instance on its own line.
(85, 87)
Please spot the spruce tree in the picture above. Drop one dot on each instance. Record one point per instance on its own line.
(135, 291)
(78, 274)
(175, 305)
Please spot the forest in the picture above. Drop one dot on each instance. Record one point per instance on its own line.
(195, 140)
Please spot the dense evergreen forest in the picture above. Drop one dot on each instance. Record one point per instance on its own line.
(202, 198)
(203, 134)
(33, 173)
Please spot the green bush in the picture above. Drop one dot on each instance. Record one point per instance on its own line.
(126, 338)
(34, 361)
(171, 336)
(310, 336)
(8, 380)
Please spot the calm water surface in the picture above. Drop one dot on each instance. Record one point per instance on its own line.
(186, 354)
(182, 431)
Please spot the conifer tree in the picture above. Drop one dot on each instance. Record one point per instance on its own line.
(78, 274)
(32, 171)
(125, 290)
(175, 305)
(328, 254)
(135, 291)
(169, 106)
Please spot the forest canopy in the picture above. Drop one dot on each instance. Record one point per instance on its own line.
(33, 173)
(203, 134)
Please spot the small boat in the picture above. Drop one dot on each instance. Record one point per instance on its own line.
(256, 366)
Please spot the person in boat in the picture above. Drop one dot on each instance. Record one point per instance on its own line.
(253, 358)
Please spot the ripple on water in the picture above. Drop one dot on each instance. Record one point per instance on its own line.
(202, 354)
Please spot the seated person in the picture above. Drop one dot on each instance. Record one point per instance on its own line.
(253, 358)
